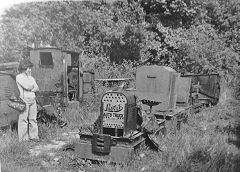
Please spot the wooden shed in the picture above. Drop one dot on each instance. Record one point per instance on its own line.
(59, 73)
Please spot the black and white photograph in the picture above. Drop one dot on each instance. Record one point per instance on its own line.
(120, 86)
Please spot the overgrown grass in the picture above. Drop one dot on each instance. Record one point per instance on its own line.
(201, 145)
(83, 113)
(209, 141)
(14, 155)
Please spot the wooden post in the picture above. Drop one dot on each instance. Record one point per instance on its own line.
(80, 83)
(65, 84)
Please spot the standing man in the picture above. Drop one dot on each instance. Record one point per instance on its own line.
(27, 122)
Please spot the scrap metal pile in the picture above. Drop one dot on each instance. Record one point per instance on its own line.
(47, 118)
(53, 116)
(130, 117)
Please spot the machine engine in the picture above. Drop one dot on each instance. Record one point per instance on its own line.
(117, 136)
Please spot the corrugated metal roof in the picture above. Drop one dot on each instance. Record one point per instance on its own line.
(54, 48)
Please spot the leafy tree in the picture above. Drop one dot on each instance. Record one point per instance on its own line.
(188, 35)
(208, 43)
(96, 28)
(163, 16)
(174, 13)
(224, 18)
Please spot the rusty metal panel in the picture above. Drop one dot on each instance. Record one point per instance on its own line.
(108, 148)
(159, 84)
(68, 58)
(174, 90)
(209, 85)
(120, 154)
(87, 88)
(5, 89)
(118, 113)
(87, 76)
(88, 82)
(8, 87)
(184, 86)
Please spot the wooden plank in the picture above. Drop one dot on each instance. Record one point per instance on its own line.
(80, 81)
(175, 112)
(184, 86)
(114, 79)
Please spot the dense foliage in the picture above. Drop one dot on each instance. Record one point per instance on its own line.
(188, 35)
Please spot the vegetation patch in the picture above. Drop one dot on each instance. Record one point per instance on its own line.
(207, 142)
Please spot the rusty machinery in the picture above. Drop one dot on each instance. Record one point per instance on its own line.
(118, 135)
(163, 92)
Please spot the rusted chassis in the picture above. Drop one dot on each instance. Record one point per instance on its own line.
(103, 147)
(106, 148)
(116, 137)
